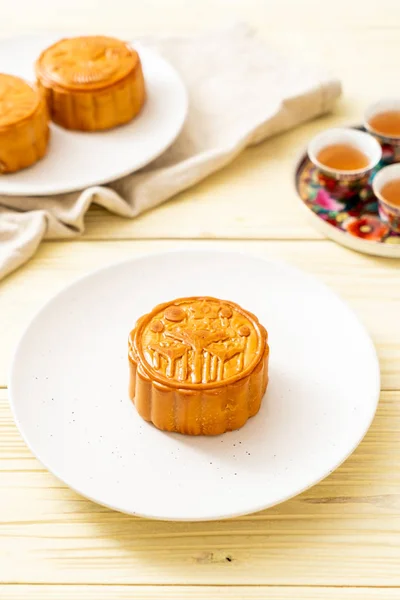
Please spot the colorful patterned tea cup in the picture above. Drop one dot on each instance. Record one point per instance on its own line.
(390, 144)
(343, 183)
(389, 213)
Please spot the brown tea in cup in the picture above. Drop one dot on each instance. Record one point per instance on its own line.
(343, 157)
(386, 187)
(390, 192)
(386, 123)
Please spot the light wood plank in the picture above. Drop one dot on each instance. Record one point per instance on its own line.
(111, 592)
(367, 283)
(343, 531)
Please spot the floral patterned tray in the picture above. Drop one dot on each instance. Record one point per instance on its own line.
(353, 222)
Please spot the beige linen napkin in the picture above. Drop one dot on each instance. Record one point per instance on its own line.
(240, 92)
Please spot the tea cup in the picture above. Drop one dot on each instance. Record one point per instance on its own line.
(390, 143)
(388, 212)
(342, 183)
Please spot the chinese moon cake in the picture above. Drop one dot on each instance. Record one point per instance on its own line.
(198, 366)
(91, 82)
(24, 127)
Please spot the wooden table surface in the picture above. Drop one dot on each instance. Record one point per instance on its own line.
(341, 539)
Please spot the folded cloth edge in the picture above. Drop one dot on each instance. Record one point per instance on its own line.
(150, 187)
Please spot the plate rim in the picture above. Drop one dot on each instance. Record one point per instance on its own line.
(100, 181)
(229, 514)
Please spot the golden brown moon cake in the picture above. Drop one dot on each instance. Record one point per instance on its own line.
(91, 82)
(198, 366)
(24, 127)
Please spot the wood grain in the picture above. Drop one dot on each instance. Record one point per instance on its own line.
(128, 592)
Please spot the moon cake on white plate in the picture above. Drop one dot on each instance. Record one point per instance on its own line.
(91, 83)
(24, 127)
(198, 366)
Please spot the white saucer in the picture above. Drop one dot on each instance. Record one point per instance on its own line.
(68, 390)
(77, 160)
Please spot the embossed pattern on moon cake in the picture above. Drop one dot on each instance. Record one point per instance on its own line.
(91, 83)
(198, 366)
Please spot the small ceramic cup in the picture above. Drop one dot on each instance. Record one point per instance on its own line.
(389, 213)
(340, 183)
(390, 144)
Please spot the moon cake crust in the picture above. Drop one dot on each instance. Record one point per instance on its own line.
(24, 128)
(198, 365)
(91, 82)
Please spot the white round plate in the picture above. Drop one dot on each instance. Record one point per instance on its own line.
(69, 380)
(77, 160)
